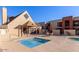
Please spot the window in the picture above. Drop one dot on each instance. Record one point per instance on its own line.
(66, 23)
(76, 23)
(26, 16)
(59, 24)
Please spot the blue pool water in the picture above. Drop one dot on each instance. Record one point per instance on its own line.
(33, 42)
(76, 39)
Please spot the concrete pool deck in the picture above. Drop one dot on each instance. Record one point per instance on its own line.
(57, 44)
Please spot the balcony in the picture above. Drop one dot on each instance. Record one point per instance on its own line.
(76, 24)
(59, 25)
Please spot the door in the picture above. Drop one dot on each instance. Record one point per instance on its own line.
(61, 31)
(77, 31)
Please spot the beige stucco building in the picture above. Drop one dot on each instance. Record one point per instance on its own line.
(18, 25)
(68, 25)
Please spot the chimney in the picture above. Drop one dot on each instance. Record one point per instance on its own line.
(4, 15)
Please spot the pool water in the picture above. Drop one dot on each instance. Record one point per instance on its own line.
(77, 39)
(33, 42)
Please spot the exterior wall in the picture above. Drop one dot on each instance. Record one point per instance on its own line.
(54, 24)
(3, 31)
(20, 20)
(4, 35)
(56, 32)
(69, 32)
(76, 18)
(66, 32)
(13, 32)
(4, 15)
(24, 20)
(68, 18)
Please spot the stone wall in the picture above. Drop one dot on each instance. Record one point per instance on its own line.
(56, 32)
(69, 32)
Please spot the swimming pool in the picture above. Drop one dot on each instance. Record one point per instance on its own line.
(33, 42)
(76, 39)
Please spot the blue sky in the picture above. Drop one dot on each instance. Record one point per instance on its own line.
(43, 13)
